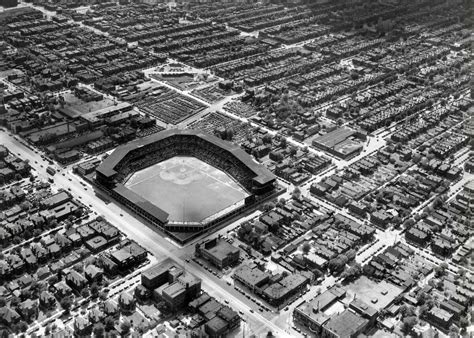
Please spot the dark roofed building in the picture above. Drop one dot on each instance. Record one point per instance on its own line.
(230, 316)
(55, 200)
(285, 288)
(218, 252)
(128, 255)
(439, 317)
(96, 244)
(216, 327)
(252, 278)
(347, 324)
(157, 275)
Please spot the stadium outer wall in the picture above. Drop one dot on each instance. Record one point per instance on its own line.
(260, 184)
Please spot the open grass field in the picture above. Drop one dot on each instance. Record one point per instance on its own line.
(188, 189)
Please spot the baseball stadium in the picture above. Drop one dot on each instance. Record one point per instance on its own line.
(184, 182)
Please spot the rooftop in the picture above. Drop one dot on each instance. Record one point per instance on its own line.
(251, 276)
(217, 324)
(173, 290)
(222, 249)
(346, 324)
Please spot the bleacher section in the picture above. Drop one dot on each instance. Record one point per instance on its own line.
(116, 169)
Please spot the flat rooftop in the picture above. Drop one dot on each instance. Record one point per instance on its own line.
(376, 294)
(222, 249)
(346, 324)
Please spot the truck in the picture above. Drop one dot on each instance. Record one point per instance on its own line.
(51, 171)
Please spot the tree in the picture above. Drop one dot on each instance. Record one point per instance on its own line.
(85, 293)
(53, 224)
(125, 327)
(296, 192)
(99, 330)
(94, 290)
(351, 254)
(14, 301)
(22, 326)
(109, 323)
(423, 310)
(53, 280)
(464, 323)
(407, 311)
(35, 288)
(78, 267)
(396, 220)
(27, 234)
(343, 258)
(409, 323)
(267, 138)
(229, 133)
(336, 265)
(423, 297)
(268, 206)
(409, 223)
(306, 248)
(66, 303)
(25, 205)
(317, 273)
(293, 151)
(354, 75)
(441, 270)
(353, 272)
(103, 295)
(3, 301)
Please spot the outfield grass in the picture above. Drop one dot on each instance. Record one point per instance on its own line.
(186, 188)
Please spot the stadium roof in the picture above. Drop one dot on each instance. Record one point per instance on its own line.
(145, 205)
(263, 175)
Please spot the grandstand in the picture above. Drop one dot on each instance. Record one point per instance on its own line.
(128, 159)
